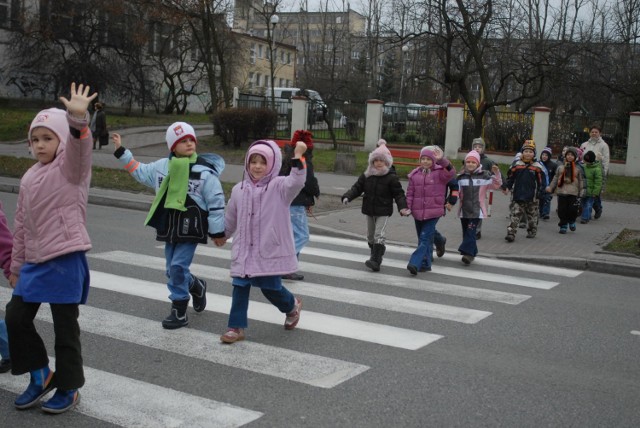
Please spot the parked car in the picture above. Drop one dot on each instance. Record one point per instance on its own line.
(394, 112)
(414, 110)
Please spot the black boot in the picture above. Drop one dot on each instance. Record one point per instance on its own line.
(376, 257)
(178, 316)
(198, 291)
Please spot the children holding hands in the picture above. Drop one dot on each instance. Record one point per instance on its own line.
(474, 182)
(379, 186)
(263, 249)
(188, 208)
(426, 193)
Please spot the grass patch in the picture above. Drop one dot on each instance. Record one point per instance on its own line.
(627, 242)
(14, 123)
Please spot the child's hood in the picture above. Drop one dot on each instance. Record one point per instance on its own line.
(55, 120)
(272, 154)
(210, 161)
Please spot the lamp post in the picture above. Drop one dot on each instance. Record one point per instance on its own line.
(273, 21)
(405, 49)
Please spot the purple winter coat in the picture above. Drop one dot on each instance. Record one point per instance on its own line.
(427, 189)
(257, 216)
(6, 244)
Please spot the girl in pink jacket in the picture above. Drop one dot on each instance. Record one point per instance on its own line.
(6, 244)
(49, 264)
(257, 216)
(426, 195)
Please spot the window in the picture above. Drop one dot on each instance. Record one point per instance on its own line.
(289, 58)
(355, 55)
(258, 79)
(252, 53)
(260, 54)
(164, 39)
(10, 14)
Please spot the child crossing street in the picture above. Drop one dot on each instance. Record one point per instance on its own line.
(188, 208)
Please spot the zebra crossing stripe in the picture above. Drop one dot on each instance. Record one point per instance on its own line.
(444, 270)
(384, 279)
(479, 261)
(267, 360)
(389, 303)
(129, 402)
(312, 321)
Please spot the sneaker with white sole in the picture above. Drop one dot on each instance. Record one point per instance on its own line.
(232, 335)
(294, 316)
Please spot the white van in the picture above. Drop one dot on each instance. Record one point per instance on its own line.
(317, 105)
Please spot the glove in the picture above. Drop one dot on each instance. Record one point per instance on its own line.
(345, 201)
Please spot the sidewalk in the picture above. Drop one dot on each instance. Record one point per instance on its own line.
(577, 250)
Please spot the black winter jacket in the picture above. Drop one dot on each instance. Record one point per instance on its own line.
(379, 193)
(311, 190)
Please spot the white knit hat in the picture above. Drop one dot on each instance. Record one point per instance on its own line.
(177, 132)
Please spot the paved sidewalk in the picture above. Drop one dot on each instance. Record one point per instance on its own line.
(578, 250)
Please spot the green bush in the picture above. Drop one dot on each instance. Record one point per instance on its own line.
(236, 125)
(263, 123)
(232, 125)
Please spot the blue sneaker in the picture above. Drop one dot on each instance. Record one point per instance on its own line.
(40, 385)
(61, 401)
(572, 227)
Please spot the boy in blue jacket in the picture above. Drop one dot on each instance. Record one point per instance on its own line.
(188, 207)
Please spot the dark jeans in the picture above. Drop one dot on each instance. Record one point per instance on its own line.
(469, 246)
(27, 349)
(567, 210)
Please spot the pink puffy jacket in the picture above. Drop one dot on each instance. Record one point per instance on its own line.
(50, 218)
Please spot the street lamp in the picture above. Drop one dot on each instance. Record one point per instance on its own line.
(274, 21)
(405, 49)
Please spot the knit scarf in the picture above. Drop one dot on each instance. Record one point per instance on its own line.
(175, 185)
(571, 167)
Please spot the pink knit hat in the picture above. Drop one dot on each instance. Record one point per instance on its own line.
(473, 154)
(54, 119)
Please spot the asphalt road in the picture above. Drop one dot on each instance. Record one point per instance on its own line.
(561, 349)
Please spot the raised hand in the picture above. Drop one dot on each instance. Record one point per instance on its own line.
(117, 140)
(80, 100)
(301, 147)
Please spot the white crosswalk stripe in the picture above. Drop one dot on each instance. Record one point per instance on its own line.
(131, 402)
(405, 281)
(267, 360)
(321, 323)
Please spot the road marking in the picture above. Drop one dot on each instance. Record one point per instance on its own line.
(459, 273)
(360, 298)
(391, 280)
(312, 321)
(388, 303)
(128, 402)
(479, 261)
(283, 363)
(635, 332)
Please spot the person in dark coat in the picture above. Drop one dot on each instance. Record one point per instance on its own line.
(381, 187)
(101, 135)
(306, 199)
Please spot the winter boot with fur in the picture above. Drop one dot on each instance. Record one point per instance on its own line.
(178, 316)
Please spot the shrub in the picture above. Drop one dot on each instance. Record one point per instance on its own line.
(231, 125)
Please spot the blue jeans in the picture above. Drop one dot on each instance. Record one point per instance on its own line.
(469, 246)
(597, 203)
(587, 206)
(300, 225)
(545, 204)
(426, 229)
(281, 299)
(179, 257)
(4, 341)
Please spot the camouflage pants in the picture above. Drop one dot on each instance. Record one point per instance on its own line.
(530, 210)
